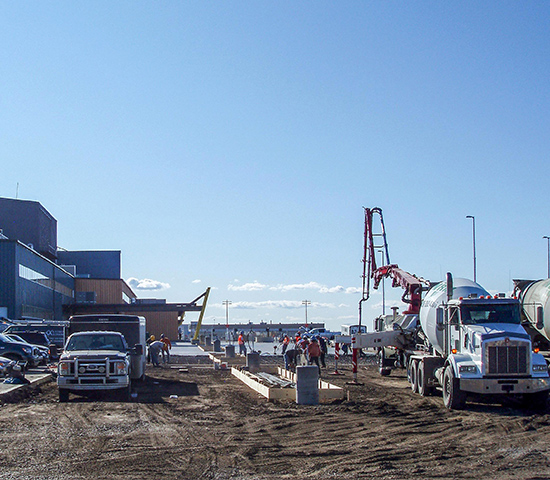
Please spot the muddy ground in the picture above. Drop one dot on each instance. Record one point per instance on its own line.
(205, 424)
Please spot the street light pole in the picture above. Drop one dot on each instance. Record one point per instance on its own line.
(306, 303)
(548, 239)
(227, 303)
(474, 242)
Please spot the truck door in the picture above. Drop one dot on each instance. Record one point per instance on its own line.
(454, 329)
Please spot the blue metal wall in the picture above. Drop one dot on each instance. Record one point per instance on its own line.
(95, 264)
(30, 223)
(31, 285)
(7, 276)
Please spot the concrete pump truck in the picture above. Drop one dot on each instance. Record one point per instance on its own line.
(454, 336)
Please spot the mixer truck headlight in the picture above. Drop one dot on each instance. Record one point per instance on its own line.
(540, 368)
(467, 369)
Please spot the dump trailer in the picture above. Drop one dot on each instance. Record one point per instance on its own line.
(463, 341)
(102, 353)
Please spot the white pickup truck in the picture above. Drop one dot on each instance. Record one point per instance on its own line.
(95, 361)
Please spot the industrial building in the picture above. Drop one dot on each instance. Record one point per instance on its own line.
(40, 281)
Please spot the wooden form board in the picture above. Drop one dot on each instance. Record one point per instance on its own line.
(327, 391)
(267, 392)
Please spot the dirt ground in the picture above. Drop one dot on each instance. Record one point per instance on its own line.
(205, 424)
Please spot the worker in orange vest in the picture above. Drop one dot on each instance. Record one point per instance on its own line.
(242, 346)
(286, 341)
(166, 348)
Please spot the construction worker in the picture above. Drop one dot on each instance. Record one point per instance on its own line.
(242, 346)
(313, 352)
(324, 349)
(291, 357)
(166, 349)
(154, 349)
(148, 342)
(286, 342)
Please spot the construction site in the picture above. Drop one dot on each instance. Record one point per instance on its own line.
(190, 420)
(453, 386)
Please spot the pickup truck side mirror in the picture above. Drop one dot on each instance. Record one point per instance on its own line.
(138, 349)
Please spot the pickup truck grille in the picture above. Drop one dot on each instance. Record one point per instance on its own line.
(508, 359)
(91, 368)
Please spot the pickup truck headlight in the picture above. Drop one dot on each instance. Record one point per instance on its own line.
(120, 368)
(63, 368)
(540, 368)
(467, 369)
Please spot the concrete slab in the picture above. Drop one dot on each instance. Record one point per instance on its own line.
(34, 378)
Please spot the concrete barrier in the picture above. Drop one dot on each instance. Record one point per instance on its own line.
(307, 385)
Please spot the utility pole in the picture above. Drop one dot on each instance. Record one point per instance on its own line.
(474, 242)
(548, 239)
(227, 303)
(306, 303)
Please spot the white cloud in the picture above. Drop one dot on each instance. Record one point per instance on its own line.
(291, 304)
(146, 284)
(256, 286)
(196, 281)
(247, 287)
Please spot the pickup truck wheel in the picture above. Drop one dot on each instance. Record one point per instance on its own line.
(453, 397)
(63, 395)
(423, 388)
(13, 356)
(124, 394)
(413, 372)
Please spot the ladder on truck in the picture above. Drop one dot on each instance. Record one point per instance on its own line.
(374, 242)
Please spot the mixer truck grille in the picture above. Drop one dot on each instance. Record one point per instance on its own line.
(507, 359)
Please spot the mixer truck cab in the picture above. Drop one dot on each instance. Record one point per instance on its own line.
(480, 347)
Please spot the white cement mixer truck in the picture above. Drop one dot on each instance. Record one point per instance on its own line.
(463, 341)
(534, 297)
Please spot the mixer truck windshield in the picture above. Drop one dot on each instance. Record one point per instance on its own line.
(475, 314)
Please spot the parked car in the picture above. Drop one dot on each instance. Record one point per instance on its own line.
(35, 337)
(20, 352)
(4, 362)
(44, 351)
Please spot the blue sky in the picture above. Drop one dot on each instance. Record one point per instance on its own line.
(234, 144)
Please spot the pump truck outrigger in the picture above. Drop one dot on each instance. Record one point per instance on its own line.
(459, 338)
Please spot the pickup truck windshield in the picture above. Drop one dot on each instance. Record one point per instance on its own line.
(476, 314)
(103, 341)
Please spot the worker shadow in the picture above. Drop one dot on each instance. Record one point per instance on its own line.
(159, 390)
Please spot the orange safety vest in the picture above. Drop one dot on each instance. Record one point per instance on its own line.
(241, 340)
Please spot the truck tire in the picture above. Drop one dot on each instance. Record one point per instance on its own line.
(124, 394)
(536, 401)
(413, 372)
(383, 369)
(423, 388)
(63, 395)
(453, 397)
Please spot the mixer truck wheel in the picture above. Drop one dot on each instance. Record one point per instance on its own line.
(453, 397)
(413, 373)
(536, 401)
(383, 368)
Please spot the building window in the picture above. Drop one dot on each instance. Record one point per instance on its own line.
(40, 279)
